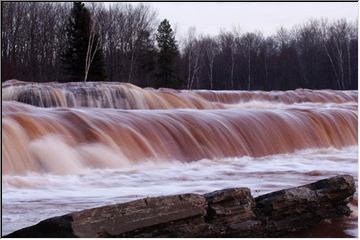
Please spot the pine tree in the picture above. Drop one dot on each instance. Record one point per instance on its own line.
(78, 32)
(146, 61)
(167, 56)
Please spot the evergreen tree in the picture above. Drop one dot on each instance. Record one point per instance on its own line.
(78, 32)
(146, 69)
(168, 53)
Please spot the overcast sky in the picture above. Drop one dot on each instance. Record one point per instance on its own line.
(267, 17)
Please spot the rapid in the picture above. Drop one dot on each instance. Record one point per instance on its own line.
(67, 147)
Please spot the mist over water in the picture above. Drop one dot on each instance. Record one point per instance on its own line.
(72, 146)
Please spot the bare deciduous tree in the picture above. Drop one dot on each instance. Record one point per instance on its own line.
(316, 54)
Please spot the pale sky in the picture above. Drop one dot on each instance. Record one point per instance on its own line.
(267, 17)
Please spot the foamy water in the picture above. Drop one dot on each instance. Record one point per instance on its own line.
(34, 197)
(85, 145)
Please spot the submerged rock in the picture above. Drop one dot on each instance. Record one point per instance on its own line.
(225, 213)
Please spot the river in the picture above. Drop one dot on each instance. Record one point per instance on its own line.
(67, 147)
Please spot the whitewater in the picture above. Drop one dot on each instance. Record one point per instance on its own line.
(67, 147)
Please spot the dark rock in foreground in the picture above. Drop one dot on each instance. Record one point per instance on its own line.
(225, 213)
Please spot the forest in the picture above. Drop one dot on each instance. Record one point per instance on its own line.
(317, 54)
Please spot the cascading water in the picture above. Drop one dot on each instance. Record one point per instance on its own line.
(71, 146)
(184, 135)
(128, 96)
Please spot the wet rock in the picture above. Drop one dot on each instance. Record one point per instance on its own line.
(225, 213)
(294, 209)
(59, 227)
(230, 213)
(172, 216)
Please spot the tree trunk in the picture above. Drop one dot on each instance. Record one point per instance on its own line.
(349, 62)
(232, 70)
(332, 65)
(189, 70)
(249, 69)
(266, 87)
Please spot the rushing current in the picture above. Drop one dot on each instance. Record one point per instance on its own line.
(66, 147)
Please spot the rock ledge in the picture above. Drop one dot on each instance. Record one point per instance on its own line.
(225, 213)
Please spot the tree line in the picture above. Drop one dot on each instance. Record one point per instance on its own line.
(135, 48)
